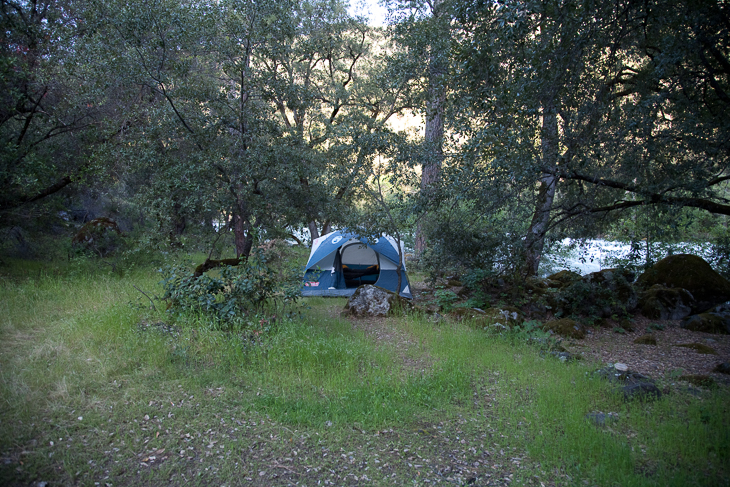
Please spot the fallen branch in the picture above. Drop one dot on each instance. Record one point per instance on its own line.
(284, 467)
(212, 264)
(152, 303)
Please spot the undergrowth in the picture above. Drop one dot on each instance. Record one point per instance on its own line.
(97, 390)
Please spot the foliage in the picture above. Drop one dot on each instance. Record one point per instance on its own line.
(655, 326)
(544, 120)
(445, 299)
(50, 117)
(605, 294)
(532, 333)
(564, 109)
(230, 295)
(719, 255)
(101, 236)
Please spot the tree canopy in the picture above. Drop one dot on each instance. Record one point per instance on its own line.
(543, 118)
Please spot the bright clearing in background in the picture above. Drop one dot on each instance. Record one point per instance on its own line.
(370, 9)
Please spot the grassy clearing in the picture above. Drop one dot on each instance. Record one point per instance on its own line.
(96, 390)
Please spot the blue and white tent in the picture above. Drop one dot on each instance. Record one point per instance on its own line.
(342, 261)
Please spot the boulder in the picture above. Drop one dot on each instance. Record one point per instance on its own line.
(620, 373)
(536, 285)
(562, 279)
(566, 327)
(600, 294)
(716, 320)
(617, 282)
(370, 300)
(664, 303)
(692, 273)
(635, 385)
(536, 309)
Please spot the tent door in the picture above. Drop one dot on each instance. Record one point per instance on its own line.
(360, 264)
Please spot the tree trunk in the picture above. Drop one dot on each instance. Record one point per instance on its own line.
(434, 135)
(242, 232)
(179, 222)
(535, 239)
(313, 231)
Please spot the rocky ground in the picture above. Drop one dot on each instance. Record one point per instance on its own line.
(674, 354)
(668, 359)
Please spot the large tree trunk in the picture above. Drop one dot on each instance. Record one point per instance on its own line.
(434, 136)
(535, 239)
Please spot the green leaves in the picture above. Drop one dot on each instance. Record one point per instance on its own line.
(229, 294)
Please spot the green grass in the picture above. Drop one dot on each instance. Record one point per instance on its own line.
(96, 387)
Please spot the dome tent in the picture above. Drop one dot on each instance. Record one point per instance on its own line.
(340, 262)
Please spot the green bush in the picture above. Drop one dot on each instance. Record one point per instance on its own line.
(229, 294)
(445, 299)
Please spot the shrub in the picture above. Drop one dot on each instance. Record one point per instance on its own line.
(101, 236)
(229, 294)
(445, 299)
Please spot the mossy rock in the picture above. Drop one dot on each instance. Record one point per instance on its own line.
(536, 285)
(664, 303)
(462, 313)
(716, 323)
(699, 348)
(616, 284)
(562, 279)
(692, 273)
(646, 340)
(507, 316)
(565, 327)
(598, 295)
(611, 275)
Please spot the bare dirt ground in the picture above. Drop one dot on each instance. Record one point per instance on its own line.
(665, 359)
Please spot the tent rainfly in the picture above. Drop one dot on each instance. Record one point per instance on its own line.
(341, 261)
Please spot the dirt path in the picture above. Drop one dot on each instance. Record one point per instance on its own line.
(386, 333)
